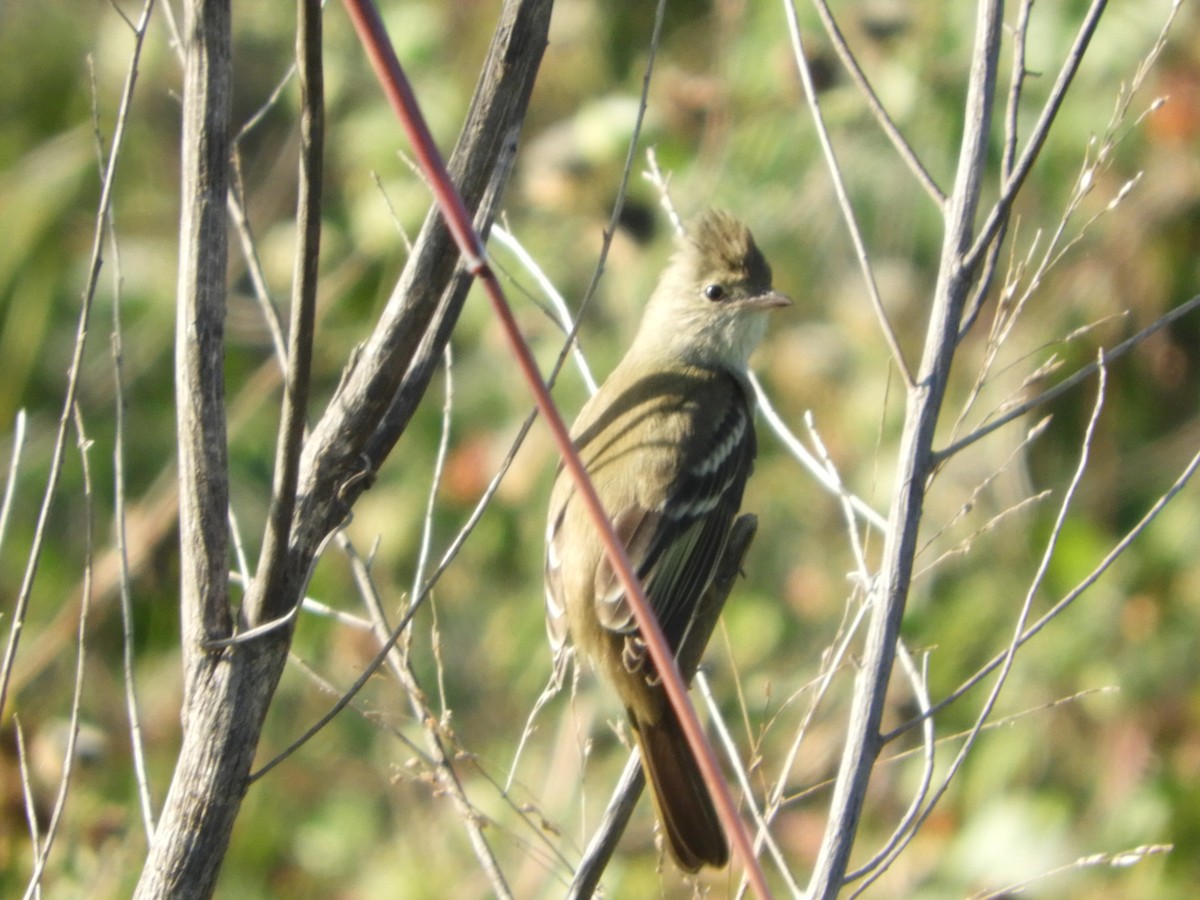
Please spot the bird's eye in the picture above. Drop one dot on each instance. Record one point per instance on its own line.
(714, 292)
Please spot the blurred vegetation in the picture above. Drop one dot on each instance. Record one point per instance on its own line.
(1102, 750)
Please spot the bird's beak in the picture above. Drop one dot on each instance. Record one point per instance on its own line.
(770, 300)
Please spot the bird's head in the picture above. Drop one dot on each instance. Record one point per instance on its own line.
(711, 304)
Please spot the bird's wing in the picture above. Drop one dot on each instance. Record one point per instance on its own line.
(675, 546)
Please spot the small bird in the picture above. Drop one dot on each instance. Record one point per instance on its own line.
(668, 441)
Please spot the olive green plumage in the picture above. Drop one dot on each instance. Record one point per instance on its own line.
(668, 442)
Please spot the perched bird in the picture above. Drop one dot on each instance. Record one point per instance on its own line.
(668, 441)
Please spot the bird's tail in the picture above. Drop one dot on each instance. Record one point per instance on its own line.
(684, 805)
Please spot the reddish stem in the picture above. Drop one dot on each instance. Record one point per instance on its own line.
(399, 93)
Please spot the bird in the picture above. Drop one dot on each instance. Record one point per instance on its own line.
(668, 442)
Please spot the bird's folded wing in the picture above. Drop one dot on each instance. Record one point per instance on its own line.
(675, 548)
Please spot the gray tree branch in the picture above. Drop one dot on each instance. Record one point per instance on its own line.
(229, 689)
(915, 464)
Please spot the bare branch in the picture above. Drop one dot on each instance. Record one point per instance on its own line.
(846, 55)
(823, 474)
(762, 834)
(214, 749)
(21, 603)
(14, 466)
(915, 464)
(839, 187)
(274, 561)
(379, 393)
(1069, 383)
(603, 845)
(199, 336)
(1016, 83)
(44, 845)
(1070, 597)
(906, 830)
(443, 769)
(1037, 138)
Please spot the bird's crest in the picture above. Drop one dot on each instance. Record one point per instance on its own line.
(726, 246)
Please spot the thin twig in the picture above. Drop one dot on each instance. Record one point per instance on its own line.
(631, 154)
(448, 556)
(137, 744)
(42, 855)
(1070, 597)
(439, 469)
(21, 604)
(1068, 383)
(14, 466)
(839, 187)
(443, 769)
(835, 655)
(831, 663)
(561, 311)
(275, 563)
(1008, 309)
(662, 184)
(396, 87)
(762, 833)
(906, 829)
(991, 726)
(379, 721)
(1122, 860)
(1016, 455)
(811, 464)
(240, 220)
(850, 61)
(400, 663)
(1036, 582)
(124, 581)
(915, 463)
(27, 794)
(1037, 138)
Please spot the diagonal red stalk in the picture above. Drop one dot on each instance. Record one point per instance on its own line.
(399, 93)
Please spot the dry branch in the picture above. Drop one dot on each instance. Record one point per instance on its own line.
(229, 689)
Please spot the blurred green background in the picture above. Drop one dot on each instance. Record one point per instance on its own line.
(1099, 750)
